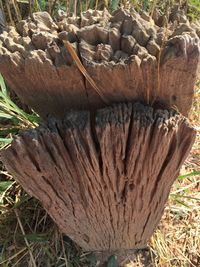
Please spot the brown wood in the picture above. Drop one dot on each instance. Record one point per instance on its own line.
(104, 178)
(126, 54)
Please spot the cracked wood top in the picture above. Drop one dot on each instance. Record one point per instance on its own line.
(126, 53)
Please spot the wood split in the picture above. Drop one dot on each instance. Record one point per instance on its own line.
(105, 184)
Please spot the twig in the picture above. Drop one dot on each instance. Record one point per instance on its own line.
(25, 239)
(63, 248)
(53, 6)
(16, 8)
(30, 8)
(96, 4)
(9, 13)
(13, 256)
(4, 193)
(153, 8)
(67, 6)
(82, 69)
(75, 8)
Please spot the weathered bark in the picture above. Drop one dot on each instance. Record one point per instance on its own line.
(103, 178)
(126, 54)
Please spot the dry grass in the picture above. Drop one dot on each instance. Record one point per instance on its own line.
(82, 69)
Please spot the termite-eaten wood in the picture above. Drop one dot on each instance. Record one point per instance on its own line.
(127, 55)
(103, 162)
(104, 180)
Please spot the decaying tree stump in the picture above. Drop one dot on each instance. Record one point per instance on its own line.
(102, 164)
(103, 180)
(126, 54)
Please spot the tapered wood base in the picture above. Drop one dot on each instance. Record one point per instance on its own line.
(104, 178)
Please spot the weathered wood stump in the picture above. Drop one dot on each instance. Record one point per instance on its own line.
(104, 179)
(127, 55)
(103, 171)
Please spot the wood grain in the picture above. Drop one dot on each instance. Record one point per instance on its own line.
(126, 54)
(104, 178)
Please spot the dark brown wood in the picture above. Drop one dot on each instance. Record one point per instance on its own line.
(126, 53)
(103, 178)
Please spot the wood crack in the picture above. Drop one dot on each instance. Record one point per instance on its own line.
(109, 204)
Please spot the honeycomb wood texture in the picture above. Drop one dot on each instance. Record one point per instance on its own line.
(104, 178)
(126, 53)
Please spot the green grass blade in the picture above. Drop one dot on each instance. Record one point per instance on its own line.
(23, 1)
(5, 141)
(181, 177)
(5, 116)
(112, 262)
(42, 4)
(182, 203)
(36, 237)
(4, 185)
(185, 188)
(2, 85)
(9, 110)
(114, 4)
(178, 196)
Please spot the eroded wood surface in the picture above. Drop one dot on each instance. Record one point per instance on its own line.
(103, 178)
(127, 54)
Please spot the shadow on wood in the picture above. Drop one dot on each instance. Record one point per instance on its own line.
(104, 180)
